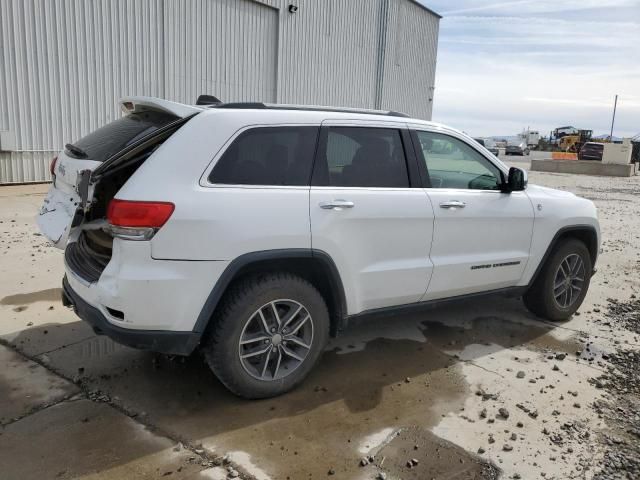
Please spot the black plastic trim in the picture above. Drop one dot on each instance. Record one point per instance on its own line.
(421, 306)
(556, 239)
(279, 254)
(415, 180)
(161, 341)
(422, 165)
(85, 262)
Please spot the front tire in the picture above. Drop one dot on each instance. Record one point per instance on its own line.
(562, 284)
(267, 334)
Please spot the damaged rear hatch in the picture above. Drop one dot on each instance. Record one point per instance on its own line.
(81, 165)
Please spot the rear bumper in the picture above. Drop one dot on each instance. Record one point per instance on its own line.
(169, 342)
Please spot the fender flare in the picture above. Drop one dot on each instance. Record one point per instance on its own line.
(554, 242)
(247, 259)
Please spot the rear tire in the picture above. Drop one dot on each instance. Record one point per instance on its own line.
(279, 314)
(562, 284)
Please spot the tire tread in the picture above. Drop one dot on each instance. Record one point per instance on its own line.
(215, 341)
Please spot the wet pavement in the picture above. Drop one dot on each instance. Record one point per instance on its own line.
(427, 387)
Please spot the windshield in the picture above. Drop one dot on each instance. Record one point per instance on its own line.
(112, 138)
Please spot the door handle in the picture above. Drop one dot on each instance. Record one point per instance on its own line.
(337, 204)
(453, 204)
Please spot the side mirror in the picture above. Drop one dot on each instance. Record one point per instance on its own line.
(516, 181)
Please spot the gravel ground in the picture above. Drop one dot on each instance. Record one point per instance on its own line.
(621, 405)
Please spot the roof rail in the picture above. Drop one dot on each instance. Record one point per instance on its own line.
(313, 108)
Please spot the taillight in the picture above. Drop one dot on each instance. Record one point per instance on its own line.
(125, 213)
(52, 166)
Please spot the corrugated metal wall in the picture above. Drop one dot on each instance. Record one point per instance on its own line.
(63, 66)
(227, 48)
(65, 63)
(410, 60)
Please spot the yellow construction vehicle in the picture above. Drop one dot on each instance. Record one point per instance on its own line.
(573, 143)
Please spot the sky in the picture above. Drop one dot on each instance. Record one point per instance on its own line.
(504, 66)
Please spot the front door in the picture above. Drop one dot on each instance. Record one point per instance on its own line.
(368, 218)
(482, 236)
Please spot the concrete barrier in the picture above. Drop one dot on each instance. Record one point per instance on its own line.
(584, 167)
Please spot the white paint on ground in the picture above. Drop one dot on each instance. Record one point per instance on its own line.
(215, 473)
(243, 460)
(374, 442)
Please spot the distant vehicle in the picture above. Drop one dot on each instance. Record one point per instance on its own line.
(564, 131)
(516, 149)
(591, 151)
(489, 145)
(573, 143)
(530, 137)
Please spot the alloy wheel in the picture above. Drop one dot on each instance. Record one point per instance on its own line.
(569, 280)
(276, 340)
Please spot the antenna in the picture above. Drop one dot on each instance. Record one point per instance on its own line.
(208, 100)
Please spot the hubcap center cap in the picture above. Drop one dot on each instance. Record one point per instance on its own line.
(276, 339)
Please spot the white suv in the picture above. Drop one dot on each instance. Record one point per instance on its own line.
(254, 232)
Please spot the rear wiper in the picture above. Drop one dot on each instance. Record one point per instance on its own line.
(76, 151)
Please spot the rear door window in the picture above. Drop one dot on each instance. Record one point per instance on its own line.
(114, 137)
(361, 157)
(280, 156)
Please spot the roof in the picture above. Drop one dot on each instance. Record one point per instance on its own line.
(424, 7)
(280, 112)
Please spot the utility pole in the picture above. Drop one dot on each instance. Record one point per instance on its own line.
(615, 104)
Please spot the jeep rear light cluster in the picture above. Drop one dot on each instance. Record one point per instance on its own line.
(135, 220)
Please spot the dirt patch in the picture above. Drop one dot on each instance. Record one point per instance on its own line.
(415, 453)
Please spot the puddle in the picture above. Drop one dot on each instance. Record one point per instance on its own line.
(377, 378)
(48, 295)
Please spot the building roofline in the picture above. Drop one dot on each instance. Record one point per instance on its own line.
(424, 7)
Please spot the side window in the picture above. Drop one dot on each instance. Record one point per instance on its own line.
(451, 163)
(268, 156)
(361, 157)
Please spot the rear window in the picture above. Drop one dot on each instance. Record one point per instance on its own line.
(361, 157)
(106, 141)
(268, 156)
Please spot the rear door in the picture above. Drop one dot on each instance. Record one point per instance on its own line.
(369, 215)
(482, 236)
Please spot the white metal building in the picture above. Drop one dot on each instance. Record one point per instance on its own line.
(65, 63)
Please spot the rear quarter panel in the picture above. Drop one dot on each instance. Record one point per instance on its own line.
(216, 222)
